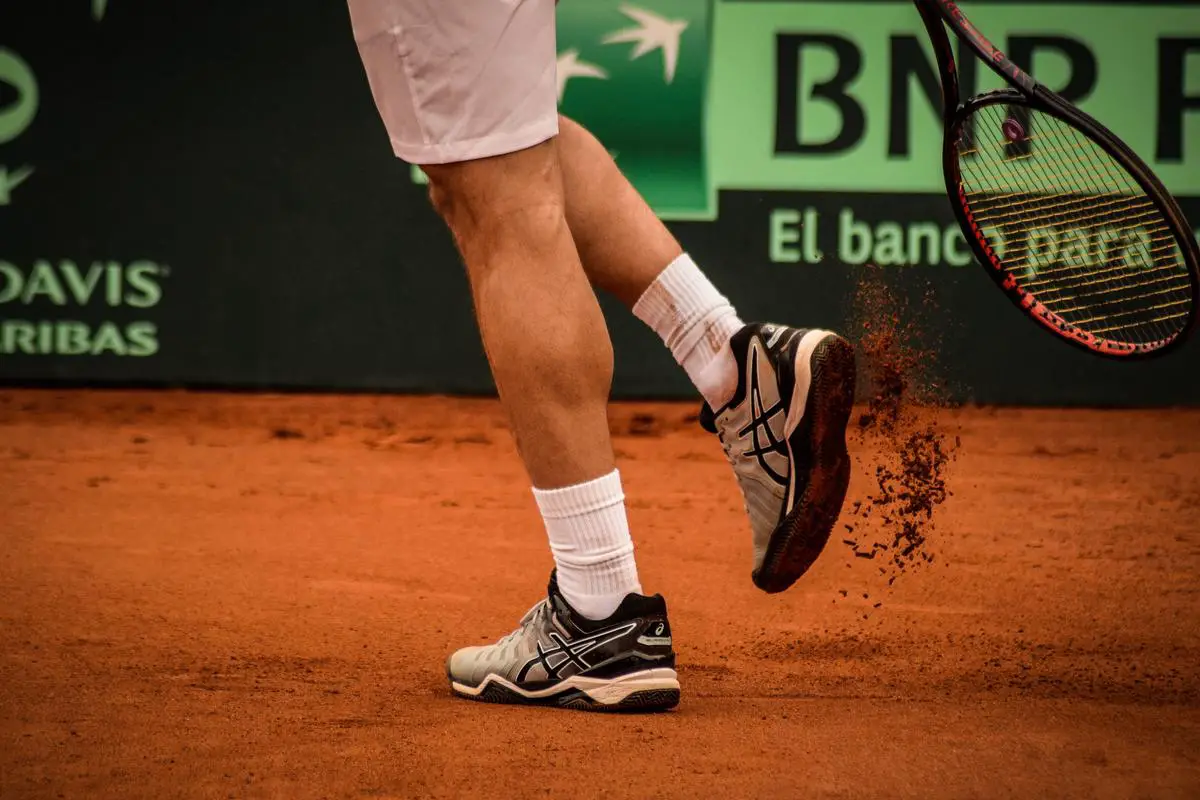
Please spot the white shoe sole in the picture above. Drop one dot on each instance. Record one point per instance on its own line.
(646, 690)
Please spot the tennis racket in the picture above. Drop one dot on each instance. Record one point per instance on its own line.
(1069, 222)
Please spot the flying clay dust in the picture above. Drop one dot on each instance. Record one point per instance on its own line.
(890, 526)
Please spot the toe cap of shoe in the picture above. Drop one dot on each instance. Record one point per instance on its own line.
(463, 665)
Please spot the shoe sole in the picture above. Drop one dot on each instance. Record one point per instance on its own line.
(816, 448)
(647, 690)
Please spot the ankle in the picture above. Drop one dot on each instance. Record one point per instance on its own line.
(696, 322)
(589, 537)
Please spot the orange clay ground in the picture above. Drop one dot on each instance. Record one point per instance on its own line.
(207, 595)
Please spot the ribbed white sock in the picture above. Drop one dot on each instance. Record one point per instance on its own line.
(589, 537)
(695, 321)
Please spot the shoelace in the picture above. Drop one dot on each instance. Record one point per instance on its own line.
(531, 616)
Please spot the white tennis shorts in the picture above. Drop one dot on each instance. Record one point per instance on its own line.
(456, 80)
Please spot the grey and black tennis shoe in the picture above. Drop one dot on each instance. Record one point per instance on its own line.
(559, 658)
(784, 433)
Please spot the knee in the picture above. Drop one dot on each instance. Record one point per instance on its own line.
(460, 199)
(498, 191)
(459, 205)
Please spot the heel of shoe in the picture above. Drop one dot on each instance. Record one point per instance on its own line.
(647, 690)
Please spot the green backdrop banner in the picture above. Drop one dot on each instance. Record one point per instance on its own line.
(203, 194)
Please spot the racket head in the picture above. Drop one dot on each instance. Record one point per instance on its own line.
(1071, 225)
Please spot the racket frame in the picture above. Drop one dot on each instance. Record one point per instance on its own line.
(936, 16)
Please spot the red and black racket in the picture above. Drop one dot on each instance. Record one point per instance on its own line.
(1073, 226)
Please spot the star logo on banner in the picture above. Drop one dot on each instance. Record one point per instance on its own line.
(654, 32)
(569, 66)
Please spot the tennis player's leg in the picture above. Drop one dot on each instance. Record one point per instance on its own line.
(467, 90)
(778, 397)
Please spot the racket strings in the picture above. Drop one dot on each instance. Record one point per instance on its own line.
(1156, 245)
(1072, 225)
(1029, 213)
(1075, 228)
(1179, 320)
(1159, 245)
(1052, 280)
(1105, 276)
(1146, 296)
(1040, 144)
(1037, 276)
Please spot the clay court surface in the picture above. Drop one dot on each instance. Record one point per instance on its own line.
(206, 595)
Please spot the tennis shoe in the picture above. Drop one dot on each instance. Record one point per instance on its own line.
(556, 657)
(784, 434)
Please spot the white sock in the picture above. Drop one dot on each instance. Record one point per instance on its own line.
(695, 321)
(589, 536)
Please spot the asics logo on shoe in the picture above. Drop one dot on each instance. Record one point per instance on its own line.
(763, 438)
(659, 637)
(563, 652)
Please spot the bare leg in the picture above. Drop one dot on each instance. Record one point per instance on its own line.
(542, 327)
(467, 89)
(794, 492)
(626, 250)
(551, 358)
(624, 246)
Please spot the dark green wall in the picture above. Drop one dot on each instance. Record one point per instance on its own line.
(218, 177)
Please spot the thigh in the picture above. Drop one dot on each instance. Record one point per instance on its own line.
(456, 80)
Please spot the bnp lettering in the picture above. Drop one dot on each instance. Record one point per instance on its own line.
(911, 69)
